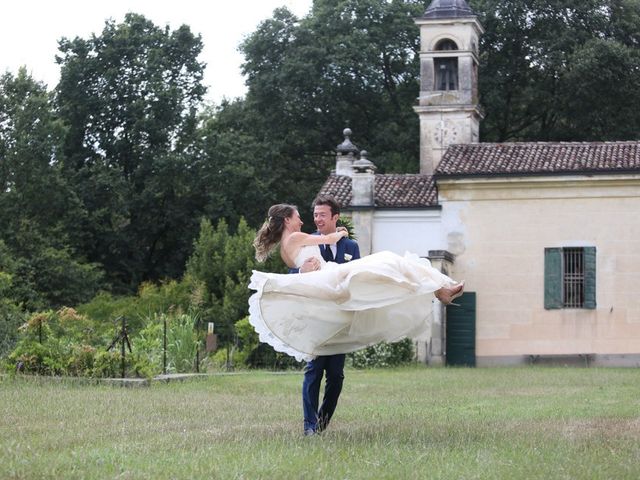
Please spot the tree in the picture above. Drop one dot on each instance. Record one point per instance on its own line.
(235, 177)
(555, 70)
(349, 63)
(129, 100)
(11, 315)
(601, 92)
(222, 263)
(39, 212)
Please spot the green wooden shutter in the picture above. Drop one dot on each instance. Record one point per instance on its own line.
(552, 278)
(590, 277)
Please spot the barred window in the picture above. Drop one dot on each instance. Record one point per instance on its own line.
(570, 277)
(573, 277)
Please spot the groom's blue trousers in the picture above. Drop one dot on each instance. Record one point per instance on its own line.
(317, 419)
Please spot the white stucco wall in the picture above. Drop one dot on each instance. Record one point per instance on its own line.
(498, 230)
(415, 231)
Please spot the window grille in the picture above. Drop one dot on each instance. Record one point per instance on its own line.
(573, 278)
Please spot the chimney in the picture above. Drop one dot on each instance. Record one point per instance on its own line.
(363, 182)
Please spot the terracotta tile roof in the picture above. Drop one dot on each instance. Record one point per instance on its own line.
(539, 158)
(391, 190)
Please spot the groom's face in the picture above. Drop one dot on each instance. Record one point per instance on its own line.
(323, 219)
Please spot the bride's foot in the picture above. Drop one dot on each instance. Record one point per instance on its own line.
(448, 294)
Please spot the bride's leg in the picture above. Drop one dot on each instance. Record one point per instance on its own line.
(447, 294)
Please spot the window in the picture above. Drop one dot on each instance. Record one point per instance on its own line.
(446, 44)
(570, 277)
(446, 73)
(446, 69)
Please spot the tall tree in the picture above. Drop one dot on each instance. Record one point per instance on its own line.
(348, 63)
(236, 178)
(129, 98)
(39, 213)
(562, 70)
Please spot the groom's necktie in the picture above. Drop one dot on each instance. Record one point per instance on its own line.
(328, 254)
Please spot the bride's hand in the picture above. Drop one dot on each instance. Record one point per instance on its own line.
(339, 234)
(311, 264)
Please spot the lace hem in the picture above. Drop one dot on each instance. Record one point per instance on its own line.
(258, 279)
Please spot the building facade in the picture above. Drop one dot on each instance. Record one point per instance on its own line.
(545, 235)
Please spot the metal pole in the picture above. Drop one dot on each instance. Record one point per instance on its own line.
(123, 336)
(164, 348)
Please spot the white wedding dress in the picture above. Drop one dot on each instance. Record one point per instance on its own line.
(344, 307)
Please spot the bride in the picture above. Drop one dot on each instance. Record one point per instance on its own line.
(339, 308)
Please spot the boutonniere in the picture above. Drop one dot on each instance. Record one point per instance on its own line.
(347, 257)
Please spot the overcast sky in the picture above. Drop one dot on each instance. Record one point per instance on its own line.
(30, 29)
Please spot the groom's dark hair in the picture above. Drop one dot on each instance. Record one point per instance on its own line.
(323, 199)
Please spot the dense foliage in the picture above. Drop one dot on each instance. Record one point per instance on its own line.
(562, 70)
(384, 354)
(129, 99)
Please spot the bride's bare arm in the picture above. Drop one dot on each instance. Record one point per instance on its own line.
(290, 246)
(299, 239)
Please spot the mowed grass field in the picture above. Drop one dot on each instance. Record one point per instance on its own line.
(410, 423)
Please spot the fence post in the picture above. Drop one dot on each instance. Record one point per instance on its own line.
(198, 357)
(164, 347)
(123, 335)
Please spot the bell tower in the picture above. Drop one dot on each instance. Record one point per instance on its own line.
(448, 102)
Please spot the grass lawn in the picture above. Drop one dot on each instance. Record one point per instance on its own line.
(502, 423)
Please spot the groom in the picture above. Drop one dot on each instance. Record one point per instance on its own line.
(326, 213)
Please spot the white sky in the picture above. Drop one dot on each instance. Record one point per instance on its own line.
(30, 30)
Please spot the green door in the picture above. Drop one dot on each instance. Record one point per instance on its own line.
(461, 331)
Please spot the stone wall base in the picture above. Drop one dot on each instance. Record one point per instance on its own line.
(570, 360)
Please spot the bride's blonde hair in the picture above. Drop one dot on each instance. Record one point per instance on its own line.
(271, 231)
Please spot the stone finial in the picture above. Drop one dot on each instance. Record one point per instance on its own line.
(347, 146)
(363, 164)
(347, 152)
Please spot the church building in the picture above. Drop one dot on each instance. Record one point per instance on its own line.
(545, 235)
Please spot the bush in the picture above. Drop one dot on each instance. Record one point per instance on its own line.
(143, 366)
(169, 297)
(384, 355)
(48, 358)
(248, 352)
(11, 318)
(107, 364)
(148, 344)
(182, 343)
(82, 361)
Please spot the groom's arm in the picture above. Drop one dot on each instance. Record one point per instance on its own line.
(356, 251)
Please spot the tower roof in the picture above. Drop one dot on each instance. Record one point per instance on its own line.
(448, 9)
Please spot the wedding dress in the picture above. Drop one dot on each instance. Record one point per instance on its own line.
(344, 307)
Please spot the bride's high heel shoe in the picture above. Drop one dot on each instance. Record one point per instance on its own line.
(447, 295)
